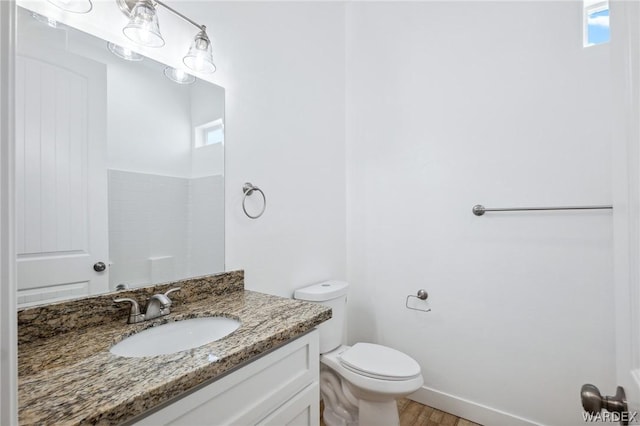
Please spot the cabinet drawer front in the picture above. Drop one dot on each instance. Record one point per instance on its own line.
(250, 393)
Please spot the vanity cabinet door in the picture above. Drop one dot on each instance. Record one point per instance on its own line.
(301, 410)
(278, 388)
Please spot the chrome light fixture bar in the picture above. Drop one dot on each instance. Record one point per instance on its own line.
(143, 28)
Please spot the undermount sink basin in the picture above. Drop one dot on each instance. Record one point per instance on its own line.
(175, 337)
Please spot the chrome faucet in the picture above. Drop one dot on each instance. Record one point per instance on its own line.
(157, 306)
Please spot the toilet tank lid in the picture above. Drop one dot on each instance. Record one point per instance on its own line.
(322, 291)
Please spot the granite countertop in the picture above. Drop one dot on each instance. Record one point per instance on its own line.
(71, 377)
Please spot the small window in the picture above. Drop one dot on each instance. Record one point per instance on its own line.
(596, 22)
(209, 134)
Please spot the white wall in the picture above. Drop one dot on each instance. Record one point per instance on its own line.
(148, 228)
(140, 103)
(163, 228)
(451, 104)
(206, 225)
(282, 67)
(207, 105)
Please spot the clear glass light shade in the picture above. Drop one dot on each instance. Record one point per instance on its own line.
(143, 27)
(75, 6)
(200, 56)
(179, 76)
(124, 53)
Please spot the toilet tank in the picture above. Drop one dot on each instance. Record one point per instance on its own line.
(334, 295)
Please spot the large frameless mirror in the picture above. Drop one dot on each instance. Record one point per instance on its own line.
(119, 167)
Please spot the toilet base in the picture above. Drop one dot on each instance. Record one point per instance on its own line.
(339, 409)
(378, 413)
(343, 408)
(332, 419)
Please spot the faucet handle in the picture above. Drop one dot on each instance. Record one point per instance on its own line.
(135, 308)
(134, 313)
(168, 292)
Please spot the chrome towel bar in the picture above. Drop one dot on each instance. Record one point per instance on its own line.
(479, 209)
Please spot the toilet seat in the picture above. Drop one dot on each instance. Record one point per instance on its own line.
(379, 362)
(383, 386)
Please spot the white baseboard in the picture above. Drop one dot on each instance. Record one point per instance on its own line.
(469, 410)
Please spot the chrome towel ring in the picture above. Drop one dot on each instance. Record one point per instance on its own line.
(248, 189)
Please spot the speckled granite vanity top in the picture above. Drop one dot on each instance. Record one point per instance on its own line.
(68, 376)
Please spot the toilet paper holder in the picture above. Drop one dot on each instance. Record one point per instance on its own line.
(422, 295)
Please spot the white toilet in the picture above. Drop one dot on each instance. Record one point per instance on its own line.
(360, 383)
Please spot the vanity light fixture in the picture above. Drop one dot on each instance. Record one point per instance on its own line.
(143, 29)
(75, 6)
(179, 76)
(124, 52)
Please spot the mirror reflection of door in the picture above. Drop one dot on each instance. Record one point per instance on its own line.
(61, 189)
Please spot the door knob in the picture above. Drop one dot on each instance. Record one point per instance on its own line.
(593, 402)
(99, 266)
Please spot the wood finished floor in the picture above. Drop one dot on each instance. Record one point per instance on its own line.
(415, 414)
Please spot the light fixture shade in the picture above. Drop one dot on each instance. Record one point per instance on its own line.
(199, 58)
(124, 53)
(179, 76)
(75, 6)
(143, 27)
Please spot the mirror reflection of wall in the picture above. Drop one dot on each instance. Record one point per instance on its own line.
(116, 164)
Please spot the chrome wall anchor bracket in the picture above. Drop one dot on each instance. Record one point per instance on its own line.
(593, 402)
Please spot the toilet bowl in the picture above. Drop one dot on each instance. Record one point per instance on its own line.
(359, 384)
